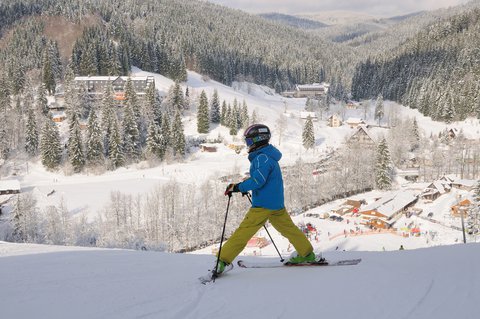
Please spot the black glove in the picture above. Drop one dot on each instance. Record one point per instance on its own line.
(231, 188)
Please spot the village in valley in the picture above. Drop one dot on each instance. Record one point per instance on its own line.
(412, 213)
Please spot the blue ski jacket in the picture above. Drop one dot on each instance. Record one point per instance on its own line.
(265, 182)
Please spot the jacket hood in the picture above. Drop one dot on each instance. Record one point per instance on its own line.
(269, 150)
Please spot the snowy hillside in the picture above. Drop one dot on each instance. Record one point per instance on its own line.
(65, 282)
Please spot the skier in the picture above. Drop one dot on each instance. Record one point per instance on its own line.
(266, 184)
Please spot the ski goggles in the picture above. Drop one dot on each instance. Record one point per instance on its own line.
(252, 140)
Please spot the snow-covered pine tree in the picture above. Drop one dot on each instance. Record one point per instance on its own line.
(75, 146)
(223, 114)
(177, 136)
(42, 102)
(203, 123)
(108, 115)
(215, 108)
(154, 104)
(415, 136)
(115, 152)
(308, 134)
(379, 109)
(94, 153)
(131, 98)
(131, 135)
(152, 148)
(383, 177)
(177, 97)
(50, 145)
(31, 135)
(48, 75)
(231, 120)
(244, 114)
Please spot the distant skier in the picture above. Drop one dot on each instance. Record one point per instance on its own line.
(266, 184)
(401, 247)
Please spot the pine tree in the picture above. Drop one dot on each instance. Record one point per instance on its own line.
(383, 178)
(50, 146)
(108, 115)
(415, 136)
(31, 136)
(152, 146)
(42, 102)
(48, 76)
(177, 98)
(379, 111)
(308, 135)
(203, 124)
(215, 108)
(115, 153)
(223, 114)
(178, 136)
(131, 99)
(244, 115)
(75, 147)
(131, 134)
(94, 153)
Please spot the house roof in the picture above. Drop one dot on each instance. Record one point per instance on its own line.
(305, 115)
(466, 182)
(437, 186)
(110, 78)
(354, 120)
(310, 87)
(391, 203)
(9, 185)
(365, 130)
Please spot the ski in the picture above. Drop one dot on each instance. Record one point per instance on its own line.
(210, 276)
(344, 262)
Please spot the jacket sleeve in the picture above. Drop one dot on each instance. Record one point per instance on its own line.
(262, 169)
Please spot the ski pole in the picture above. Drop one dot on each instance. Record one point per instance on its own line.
(214, 273)
(265, 227)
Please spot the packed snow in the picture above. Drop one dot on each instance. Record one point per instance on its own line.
(68, 282)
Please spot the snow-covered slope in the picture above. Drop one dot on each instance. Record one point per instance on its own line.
(48, 282)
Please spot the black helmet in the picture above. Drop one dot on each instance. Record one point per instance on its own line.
(256, 135)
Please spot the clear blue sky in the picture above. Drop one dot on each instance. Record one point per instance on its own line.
(384, 8)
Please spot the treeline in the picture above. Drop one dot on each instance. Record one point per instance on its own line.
(435, 72)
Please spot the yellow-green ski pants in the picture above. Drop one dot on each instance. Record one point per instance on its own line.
(254, 219)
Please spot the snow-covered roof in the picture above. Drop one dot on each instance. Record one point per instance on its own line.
(110, 78)
(466, 182)
(310, 87)
(305, 114)
(391, 203)
(9, 185)
(354, 120)
(437, 186)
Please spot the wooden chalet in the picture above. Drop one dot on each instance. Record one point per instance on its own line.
(461, 208)
(314, 90)
(384, 212)
(96, 85)
(354, 122)
(352, 105)
(58, 117)
(464, 184)
(435, 190)
(8, 187)
(208, 147)
(334, 120)
(361, 137)
(259, 242)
